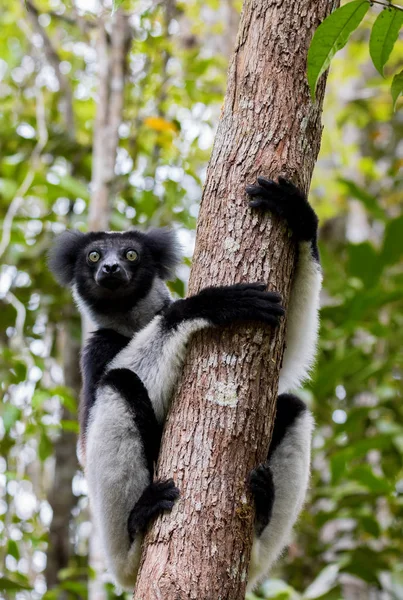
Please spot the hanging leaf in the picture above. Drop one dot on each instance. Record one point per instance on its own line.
(397, 88)
(384, 35)
(331, 36)
(116, 4)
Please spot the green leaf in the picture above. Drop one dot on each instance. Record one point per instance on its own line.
(331, 36)
(392, 248)
(384, 35)
(10, 585)
(45, 448)
(70, 426)
(116, 4)
(396, 88)
(10, 415)
(13, 549)
(73, 187)
(364, 263)
(368, 200)
(364, 475)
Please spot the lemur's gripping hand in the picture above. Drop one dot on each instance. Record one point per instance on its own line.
(243, 302)
(158, 497)
(262, 488)
(228, 304)
(287, 201)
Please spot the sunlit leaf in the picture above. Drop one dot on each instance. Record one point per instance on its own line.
(384, 34)
(331, 36)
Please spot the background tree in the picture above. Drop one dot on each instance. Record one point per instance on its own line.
(354, 517)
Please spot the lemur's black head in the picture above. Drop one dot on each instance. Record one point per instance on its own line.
(112, 271)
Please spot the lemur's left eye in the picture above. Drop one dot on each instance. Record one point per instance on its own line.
(94, 256)
(132, 255)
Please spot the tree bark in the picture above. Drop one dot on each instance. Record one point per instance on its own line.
(220, 422)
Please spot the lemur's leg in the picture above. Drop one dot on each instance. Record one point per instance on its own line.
(122, 443)
(157, 352)
(279, 486)
(288, 202)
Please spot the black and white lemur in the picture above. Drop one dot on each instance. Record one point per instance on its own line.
(131, 364)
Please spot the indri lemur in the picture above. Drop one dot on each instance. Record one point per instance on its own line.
(131, 364)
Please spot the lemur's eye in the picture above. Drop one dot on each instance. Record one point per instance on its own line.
(94, 256)
(132, 255)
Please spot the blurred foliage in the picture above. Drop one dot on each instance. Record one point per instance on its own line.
(349, 540)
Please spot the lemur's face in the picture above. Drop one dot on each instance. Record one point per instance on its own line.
(114, 268)
(110, 271)
(112, 265)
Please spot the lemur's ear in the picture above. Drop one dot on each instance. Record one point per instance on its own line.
(166, 251)
(63, 255)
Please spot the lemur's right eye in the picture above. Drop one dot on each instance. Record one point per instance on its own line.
(94, 256)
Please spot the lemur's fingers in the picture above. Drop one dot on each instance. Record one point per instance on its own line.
(261, 302)
(158, 497)
(285, 200)
(257, 290)
(258, 286)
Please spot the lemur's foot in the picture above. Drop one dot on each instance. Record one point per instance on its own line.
(242, 302)
(262, 487)
(287, 201)
(158, 497)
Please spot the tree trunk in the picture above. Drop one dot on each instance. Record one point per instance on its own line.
(112, 52)
(220, 423)
(61, 497)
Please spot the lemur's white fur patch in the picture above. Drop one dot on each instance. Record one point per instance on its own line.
(302, 321)
(114, 486)
(156, 356)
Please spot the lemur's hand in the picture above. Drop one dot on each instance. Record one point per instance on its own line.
(262, 487)
(158, 497)
(287, 201)
(241, 302)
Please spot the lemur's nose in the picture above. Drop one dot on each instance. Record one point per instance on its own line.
(112, 268)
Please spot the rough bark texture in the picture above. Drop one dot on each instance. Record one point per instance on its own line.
(220, 424)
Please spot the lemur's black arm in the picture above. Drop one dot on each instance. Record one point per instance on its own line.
(100, 349)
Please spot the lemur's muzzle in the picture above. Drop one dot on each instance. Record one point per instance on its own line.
(111, 276)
